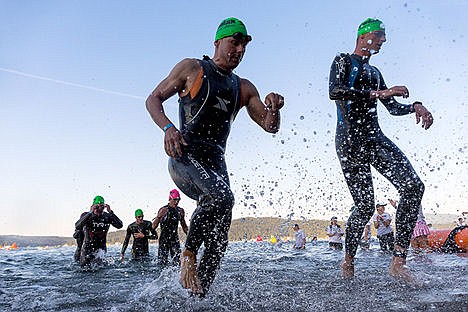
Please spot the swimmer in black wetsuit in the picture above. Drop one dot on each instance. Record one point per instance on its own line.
(95, 225)
(210, 97)
(355, 85)
(78, 235)
(142, 231)
(169, 217)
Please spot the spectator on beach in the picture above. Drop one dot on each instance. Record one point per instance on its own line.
(335, 232)
(300, 237)
(382, 222)
(419, 239)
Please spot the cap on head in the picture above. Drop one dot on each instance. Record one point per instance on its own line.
(380, 205)
(231, 26)
(370, 25)
(334, 219)
(98, 200)
(138, 213)
(174, 194)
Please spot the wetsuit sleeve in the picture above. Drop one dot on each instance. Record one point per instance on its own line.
(392, 105)
(115, 221)
(83, 220)
(338, 85)
(127, 240)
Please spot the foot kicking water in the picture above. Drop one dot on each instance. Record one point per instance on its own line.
(347, 268)
(399, 270)
(188, 272)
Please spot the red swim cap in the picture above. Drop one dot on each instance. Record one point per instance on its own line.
(174, 194)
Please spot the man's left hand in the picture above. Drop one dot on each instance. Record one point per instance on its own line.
(422, 114)
(274, 101)
(138, 235)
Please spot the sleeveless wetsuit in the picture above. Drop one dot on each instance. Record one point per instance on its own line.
(360, 144)
(95, 230)
(169, 238)
(206, 115)
(140, 247)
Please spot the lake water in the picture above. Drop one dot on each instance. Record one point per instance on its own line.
(253, 277)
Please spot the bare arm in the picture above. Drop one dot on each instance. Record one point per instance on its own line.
(161, 213)
(182, 221)
(265, 115)
(179, 80)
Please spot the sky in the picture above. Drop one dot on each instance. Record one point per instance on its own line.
(74, 77)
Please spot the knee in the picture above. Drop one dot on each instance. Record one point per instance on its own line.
(220, 199)
(415, 187)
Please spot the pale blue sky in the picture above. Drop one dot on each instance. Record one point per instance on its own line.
(74, 76)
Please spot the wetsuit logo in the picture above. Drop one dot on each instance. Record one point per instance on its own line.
(99, 225)
(203, 174)
(222, 104)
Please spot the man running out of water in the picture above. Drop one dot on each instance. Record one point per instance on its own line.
(142, 231)
(211, 95)
(95, 225)
(356, 86)
(169, 217)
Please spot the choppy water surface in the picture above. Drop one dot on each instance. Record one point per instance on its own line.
(253, 277)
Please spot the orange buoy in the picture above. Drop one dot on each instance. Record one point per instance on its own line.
(437, 238)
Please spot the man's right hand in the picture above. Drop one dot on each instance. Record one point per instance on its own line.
(173, 141)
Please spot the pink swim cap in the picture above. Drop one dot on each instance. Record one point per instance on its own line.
(174, 194)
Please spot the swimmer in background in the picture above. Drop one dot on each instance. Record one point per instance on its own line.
(142, 231)
(95, 225)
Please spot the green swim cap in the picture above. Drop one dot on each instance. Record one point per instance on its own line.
(98, 200)
(231, 26)
(369, 25)
(138, 212)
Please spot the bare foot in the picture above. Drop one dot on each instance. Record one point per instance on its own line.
(399, 270)
(347, 268)
(188, 272)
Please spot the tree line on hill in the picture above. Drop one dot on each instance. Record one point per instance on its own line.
(241, 230)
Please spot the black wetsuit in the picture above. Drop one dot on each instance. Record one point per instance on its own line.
(201, 172)
(95, 230)
(169, 239)
(78, 235)
(450, 246)
(140, 247)
(360, 144)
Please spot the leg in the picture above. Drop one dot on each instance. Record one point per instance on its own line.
(208, 183)
(393, 164)
(163, 253)
(382, 243)
(175, 253)
(215, 247)
(359, 179)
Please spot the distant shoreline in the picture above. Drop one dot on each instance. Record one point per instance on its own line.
(241, 229)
